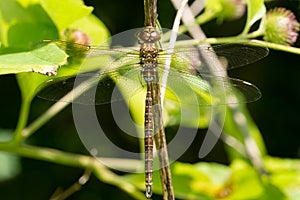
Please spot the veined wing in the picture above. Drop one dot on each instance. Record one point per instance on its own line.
(236, 54)
(96, 87)
(121, 68)
(233, 56)
(207, 89)
(103, 87)
(96, 58)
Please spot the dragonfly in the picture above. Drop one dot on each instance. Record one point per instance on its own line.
(140, 67)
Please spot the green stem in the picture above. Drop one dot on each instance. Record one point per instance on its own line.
(23, 118)
(46, 116)
(75, 160)
(255, 34)
(58, 106)
(240, 39)
(278, 47)
(222, 40)
(111, 178)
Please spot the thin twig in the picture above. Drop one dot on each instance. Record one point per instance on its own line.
(64, 194)
(213, 65)
(60, 105)
(170, 49)
(75, 160)
(159, 136)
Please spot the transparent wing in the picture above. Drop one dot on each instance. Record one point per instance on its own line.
(235, 55)
(96, 87)
(207, 90)
(119, 66)
(105, 87)
(232, 55)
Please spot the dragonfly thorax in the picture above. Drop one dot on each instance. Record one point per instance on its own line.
(148, 53)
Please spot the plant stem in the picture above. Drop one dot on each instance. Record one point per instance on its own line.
(75, 160)
(278, 47)
(23, 118)
(239, 39)
(58, 106)
(51, 112)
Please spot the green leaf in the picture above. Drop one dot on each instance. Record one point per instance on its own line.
(64, 13)
(198, 181)
(256, 10)
(42, 19)
(212, 9)
(285, 174)
(44, 60)
(15, 20)
(10, 165)
(207, 181)
(244, 181)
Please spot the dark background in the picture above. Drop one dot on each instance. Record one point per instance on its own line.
(276, 113)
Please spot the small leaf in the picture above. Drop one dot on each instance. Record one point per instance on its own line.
(10, 164)
(44, 60)
(28, 83)
(244, 183)
(190, 181)
(30, 19)
(285, 174)
(64, 13)
(256, 10)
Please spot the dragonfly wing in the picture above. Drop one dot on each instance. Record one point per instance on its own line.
(96, 58)
(208, 90)
(91, 88)
(236, 55)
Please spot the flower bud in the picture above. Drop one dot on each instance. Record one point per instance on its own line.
(232, 9)
(281, 26)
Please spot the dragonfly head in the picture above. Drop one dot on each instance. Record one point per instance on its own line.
(148, 35)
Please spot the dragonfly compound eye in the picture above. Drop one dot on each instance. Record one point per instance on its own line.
(155, 36)
(149, 34)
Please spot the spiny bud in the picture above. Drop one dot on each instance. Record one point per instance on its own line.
(281, 26)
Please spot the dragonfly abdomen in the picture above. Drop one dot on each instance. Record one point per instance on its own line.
(148, 141)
